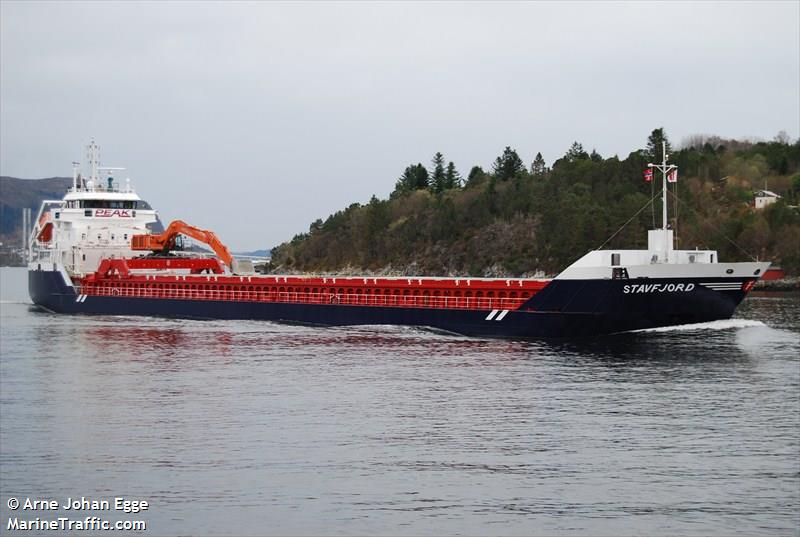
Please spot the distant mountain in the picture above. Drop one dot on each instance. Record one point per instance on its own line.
(254, 253)
(16, 194)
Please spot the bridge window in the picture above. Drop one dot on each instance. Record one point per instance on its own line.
(106, 204)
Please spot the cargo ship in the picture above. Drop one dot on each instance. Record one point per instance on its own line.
(95, 252)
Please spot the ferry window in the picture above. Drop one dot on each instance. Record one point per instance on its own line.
(614, 260)
(87, 213)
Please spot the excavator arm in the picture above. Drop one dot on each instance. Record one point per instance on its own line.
(166, 241)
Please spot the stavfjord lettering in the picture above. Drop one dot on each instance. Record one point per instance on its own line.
(657, 288)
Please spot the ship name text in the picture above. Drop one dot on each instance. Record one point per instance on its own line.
(657, 288)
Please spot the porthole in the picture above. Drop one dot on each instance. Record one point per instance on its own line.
(757, 272)
(729, 271)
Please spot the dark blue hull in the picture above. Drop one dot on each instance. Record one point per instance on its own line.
(565, 308)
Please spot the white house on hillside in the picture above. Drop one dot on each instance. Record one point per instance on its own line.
(764, 198)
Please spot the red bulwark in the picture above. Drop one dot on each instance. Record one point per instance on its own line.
(146, 277)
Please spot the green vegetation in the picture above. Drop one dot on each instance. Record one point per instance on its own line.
(514, 220)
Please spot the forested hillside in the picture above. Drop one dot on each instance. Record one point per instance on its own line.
(516, 219)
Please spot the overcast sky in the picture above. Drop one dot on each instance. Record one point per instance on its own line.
(254, 119)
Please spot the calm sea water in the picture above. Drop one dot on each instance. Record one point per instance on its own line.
(238, 428)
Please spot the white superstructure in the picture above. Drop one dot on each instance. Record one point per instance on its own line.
(96, 219)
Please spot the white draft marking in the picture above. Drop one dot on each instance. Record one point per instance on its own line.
(502, 314)
(491, 315)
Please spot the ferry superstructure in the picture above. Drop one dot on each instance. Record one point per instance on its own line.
(93, 253)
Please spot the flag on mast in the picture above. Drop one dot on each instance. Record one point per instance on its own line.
(672, 177)
(648, 175)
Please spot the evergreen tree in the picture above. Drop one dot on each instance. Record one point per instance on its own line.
(595, 156)
(507, 165)
(575, 153)
(438, 178)
(414, 177)
(476, 175)
(538, 167)
(653, 150)
(452, 178)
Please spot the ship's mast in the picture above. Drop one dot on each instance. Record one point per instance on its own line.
(75, 166)
(93, 155)
(665, 170)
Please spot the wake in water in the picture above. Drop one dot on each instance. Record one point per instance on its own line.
(711, 325)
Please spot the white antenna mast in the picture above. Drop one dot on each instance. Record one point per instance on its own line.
(665, 169)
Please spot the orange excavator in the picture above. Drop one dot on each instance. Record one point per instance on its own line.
(165, 242)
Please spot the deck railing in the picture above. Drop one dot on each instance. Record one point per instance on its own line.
(168, 291)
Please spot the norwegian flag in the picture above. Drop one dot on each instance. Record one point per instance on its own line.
(672, 176)
(648, 175)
